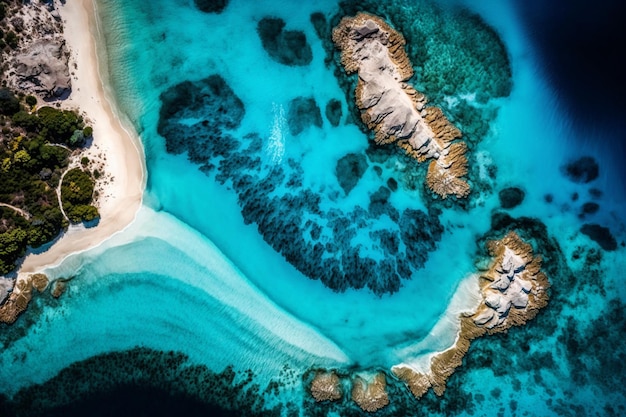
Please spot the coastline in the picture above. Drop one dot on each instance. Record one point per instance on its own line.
(116, 146)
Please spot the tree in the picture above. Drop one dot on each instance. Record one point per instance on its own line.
(82, 213)
(31, 101)
(77, 187)
(9, 104)
(21, 157)
(59, 125)
(12, 246)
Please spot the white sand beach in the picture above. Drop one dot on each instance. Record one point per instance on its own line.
(116, 146)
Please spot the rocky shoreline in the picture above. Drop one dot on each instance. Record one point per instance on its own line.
(514, 289)
(394, 110)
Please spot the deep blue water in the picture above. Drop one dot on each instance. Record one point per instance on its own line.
(275, 238)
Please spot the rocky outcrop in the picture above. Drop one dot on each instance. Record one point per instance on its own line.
(513, 288)
(21, 296)
(42, 69)
(6, 285)
(394, 110)
(326, 386)
(371, 395)
(58, 287)
(38, 63)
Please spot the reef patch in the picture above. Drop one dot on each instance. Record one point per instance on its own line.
(287, 47)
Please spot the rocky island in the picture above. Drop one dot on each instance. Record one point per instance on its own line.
(513, 291)
(394, 110)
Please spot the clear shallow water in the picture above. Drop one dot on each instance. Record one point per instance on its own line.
(190, 276)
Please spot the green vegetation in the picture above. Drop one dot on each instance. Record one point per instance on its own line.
(34, 153)
(77, 194)
(31, 101)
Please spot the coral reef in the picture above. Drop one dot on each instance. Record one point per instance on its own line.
(326, 386)
(395, 111)
(287, 47)
(514, 289)
(21, 295)
(370, 396)
(311, 228)
(128, 382)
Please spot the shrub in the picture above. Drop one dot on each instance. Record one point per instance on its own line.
(30, 122)
(88, 132)
(84, 161)
(77, 187)
(31, 101)
(9, 104)
(82, 213)
(11, 39)
(59, 125)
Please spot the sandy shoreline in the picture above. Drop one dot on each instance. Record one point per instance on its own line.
(119, 146)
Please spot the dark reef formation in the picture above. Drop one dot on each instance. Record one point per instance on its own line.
(334, 112)
(140, 381)
(219, 110)
(303, 113)
(511, 197)
(211, 6)
(318, 242)
(601, 235)
(288, 47)
(581, 170)
(350, 169)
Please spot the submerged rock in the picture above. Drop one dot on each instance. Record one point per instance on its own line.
(288, 47)
(349, 170)
(303, 112)
(589, 208)
(211, 6)
(581, 170)
(334, 112)
(511, 197)
(601, 235)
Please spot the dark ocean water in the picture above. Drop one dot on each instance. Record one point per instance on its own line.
(581, 45)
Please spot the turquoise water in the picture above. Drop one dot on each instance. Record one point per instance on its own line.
(202, 272)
